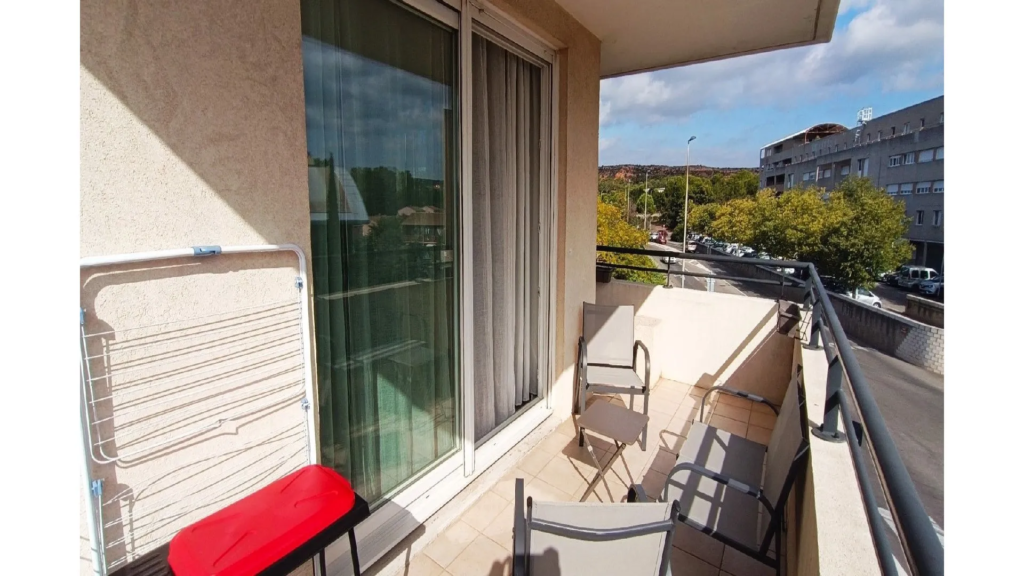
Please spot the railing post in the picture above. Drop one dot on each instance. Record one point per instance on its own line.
(829, 429)
(815, 343)
(668, 275)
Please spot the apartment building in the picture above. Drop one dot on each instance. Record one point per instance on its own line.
(901, 152)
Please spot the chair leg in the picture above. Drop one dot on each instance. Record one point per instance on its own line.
(600, 469)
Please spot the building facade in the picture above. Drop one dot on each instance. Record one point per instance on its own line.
(901, 152)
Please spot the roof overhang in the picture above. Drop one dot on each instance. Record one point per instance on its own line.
(645, 35)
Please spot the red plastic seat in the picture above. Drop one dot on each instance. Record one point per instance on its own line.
(260, 530)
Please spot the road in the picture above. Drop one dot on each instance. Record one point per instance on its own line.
(911, 400)
(723, 286)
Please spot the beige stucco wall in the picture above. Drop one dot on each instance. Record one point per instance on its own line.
(193, 132)
(708, 338)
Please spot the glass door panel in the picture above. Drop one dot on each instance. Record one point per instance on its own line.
(380, 85)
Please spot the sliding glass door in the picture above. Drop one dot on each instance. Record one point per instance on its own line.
(381, 85)
(506, 161)
(405, 220)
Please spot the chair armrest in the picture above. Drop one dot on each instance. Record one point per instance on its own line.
(519, 533)
(647, 362)
(721, 479)
(637, 493)
(738, 393)
(579, 392)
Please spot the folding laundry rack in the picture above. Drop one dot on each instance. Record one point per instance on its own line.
(207, 405)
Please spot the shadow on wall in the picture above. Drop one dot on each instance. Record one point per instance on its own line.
(187, 415)
(220, 84)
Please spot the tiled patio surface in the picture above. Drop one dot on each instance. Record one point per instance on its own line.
(480, 542)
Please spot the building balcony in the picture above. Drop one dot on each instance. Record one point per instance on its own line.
(697, 340)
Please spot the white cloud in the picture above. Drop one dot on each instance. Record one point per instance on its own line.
(895, 43)
(605, 143)
(847, 5)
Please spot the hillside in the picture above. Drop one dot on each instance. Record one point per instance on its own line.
(635, 172)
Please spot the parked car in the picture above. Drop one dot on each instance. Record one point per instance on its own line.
(653, 237)
(662, 237)
(912, 276)
(866, 296)
(670, 260)
(931, 287)
(691, 246)
(892, 278)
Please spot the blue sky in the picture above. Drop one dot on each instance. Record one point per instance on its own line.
(886, 54)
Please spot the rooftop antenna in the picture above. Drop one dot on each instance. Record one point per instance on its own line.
(864, 115)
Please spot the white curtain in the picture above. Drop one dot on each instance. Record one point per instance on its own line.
(506, 185)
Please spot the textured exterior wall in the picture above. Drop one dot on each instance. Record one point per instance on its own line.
(927, 311)
(920, 344)
(192, 132)
(707, 338)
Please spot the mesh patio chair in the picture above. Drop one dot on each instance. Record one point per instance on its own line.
(717, 481)
(606, 359)
(564, 538)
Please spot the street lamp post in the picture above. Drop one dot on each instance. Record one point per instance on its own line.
(646, 192)
(686, 200)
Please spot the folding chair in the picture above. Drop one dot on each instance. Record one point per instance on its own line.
(717, 480)
(563, 538)
(606, 359)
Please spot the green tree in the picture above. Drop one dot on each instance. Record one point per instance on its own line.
(701, 218)
(740, 184)
(852, 234)
(613, 230)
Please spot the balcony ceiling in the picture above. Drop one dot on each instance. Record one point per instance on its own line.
(644, 35)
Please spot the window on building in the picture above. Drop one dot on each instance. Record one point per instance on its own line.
(938, 153)
(936, 217)
(906, 128)
(879, 135)
(862, 167)
(807, 176)
(924, 187)
(920, 218)
(926, 156)
(907, 188)
(869, 137)
(790, 183)
(937, 187)
(908, 158)
(892, 189)
(827, 173)
(844, 171)
(940, 117)
(893, 131)
(895, 160)
(922, 123)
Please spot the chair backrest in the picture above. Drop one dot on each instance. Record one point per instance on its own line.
(788, 446)
(608, 331)
(598, 538)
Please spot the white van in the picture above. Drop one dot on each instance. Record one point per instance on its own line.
(912, 276)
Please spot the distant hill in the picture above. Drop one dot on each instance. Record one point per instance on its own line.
(636, 171)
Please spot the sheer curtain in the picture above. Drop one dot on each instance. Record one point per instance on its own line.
(379, 124)
(506, 185)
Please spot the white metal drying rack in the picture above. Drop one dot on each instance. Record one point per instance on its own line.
(94, 488)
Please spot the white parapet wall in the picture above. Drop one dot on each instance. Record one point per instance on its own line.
(707, 338)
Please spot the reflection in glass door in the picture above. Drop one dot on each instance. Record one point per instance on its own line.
(381, 85)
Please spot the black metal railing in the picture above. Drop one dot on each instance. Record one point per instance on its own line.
(922, 548)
